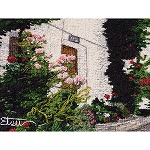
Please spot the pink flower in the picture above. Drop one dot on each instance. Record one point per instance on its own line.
(71, 58)
(34, 58)
(60, 76)
(63, 68)
(93, 121)
(89, 111)
(79, 80)
(65, 75)
(36, 36)
(62, 59)
(37, 65)
(29, 39)
(91, 114)
(39, 51)
(50, 56)
(50, 66)
(69, 80)
(41, 39)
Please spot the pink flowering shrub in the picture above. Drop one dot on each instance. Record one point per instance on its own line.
(63, 65)
(69, 80)
(34, 79)
(39, 51)
(37, 65)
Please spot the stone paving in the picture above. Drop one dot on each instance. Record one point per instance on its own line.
(143, 128)
(134, 123)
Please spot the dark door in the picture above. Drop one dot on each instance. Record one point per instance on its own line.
(71, 51)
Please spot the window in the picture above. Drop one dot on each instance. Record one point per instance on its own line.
(13, 46)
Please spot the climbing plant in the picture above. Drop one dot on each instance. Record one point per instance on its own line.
(120, 38)
(139, 66)
(125, 39)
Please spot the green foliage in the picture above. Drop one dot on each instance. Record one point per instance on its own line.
(22, 24)
(23, 85)
(26, 89)
(59, 111)
(142, 80)
(105, 112)
(138, 73)
(140, 38)
(99, 112)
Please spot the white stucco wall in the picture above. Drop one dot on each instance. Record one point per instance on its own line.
(4, 48)
(92, 49)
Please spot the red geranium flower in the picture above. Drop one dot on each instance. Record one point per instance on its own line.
(130, 77)
(11, 59)
(24, 59)
(138, 65)
(131, 45)
(113, 93)
(107, 96)
(25, 124)
(12, 129)
(115, 115)
(131, 61)
(144, 81)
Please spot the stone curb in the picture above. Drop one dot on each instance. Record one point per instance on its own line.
(124, 124)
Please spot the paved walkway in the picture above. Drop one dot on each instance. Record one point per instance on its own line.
(143, 128)
(135, 123)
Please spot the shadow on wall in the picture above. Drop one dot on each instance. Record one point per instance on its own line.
(120, 46)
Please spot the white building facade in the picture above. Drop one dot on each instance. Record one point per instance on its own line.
(84, 35)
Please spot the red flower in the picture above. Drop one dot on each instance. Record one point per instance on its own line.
(131, 61)
(113, 93)
(11, 59)
(131, 45)
(25, 124)
(138, 65)
(107, 96)
(144, 81)
(24, 59)
(135, 93)
(12, 129)
(149, 88)
(107, 120)
(130, 77)
(115, 115)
